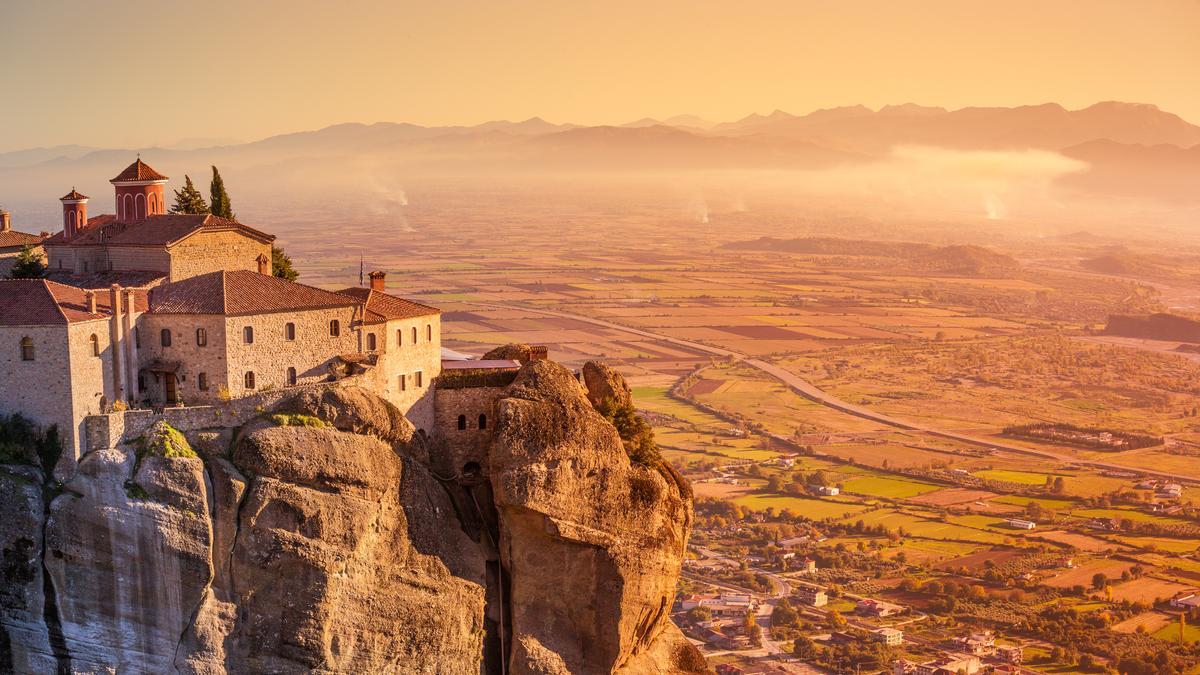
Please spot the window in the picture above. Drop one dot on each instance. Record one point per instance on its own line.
(403, 382)
(165, 337)
(26, 349)
(248, 335)
(201, 337)
(335, 328)
(462, 422)
(249, 379)
(414, 340)
(429, 332)
(482, 421)
(291, 377)
(202, 381)
(141, 385)
(137, 338)
(417, 375)
(371, 342)
(289, 331)
(95, 344)
(399, 337)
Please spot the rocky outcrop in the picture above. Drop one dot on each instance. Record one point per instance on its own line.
(592, 541)
(605, 385)
(515, 352)
(330, 547)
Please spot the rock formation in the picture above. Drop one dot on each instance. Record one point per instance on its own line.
(315, 539)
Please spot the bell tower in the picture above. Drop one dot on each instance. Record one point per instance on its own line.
(74, 213)
(139, 192)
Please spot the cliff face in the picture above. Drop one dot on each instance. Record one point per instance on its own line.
(290, 545)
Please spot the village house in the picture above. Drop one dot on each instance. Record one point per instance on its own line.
(891, 637)
(1019, 524)
(1013, 654)
(876, 608)
(981, 643)
(814, 596)
(145, 309)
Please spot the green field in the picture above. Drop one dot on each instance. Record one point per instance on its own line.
(1137, 516)
(927, 529)
(1052, 504)
(889, 488)
(816, 509)
(1022, 477)
(655, 399)
(1191, 633)
(1162, 543)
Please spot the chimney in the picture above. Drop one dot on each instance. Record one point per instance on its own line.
(5, 221)
(378, 280)
(91, 301)
(264, 264)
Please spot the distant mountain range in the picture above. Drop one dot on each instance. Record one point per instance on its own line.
(1131, 149)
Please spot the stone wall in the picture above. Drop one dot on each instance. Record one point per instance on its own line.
(40, 389)
(400, 356)
(138, 258)
(193, 358)
(458, 447)
(64, 383)
(271, 354)
(91, 376)
(109, 429)
(206, 252)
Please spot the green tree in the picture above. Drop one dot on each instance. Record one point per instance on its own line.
(783, 614)
(636, 434)
(1060, 485)
(281, 265)
(188, 199)
(28, 264)
(1099, 580)
(804, 648)
(219, 198)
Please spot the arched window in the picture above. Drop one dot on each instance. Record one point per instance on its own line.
(335, 328)
(201, 337)
(248, 335)
(26, 349)
(462, 422)
(249, 379)
(291, 377)
(95, 344)
(414, 340)
(482, 421)
(429, 332)
(139, 206)
(127, 207)
(289, 331)
(399, 337)
(371, 342)
(165, 337)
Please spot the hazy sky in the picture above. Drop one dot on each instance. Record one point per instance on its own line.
(125, 73)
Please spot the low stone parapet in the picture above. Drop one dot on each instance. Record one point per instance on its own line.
(110, 429)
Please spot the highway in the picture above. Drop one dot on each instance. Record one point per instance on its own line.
(818, 395)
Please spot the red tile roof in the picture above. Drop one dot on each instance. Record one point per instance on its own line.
(383, 307)
(137, 171)
(105, 279)
(158, 230)
(73, 194)
(14, 239)
(41, 302)
(239, 292)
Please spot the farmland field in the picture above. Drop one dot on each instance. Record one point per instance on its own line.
(815, 509)
(891, 488)
(1147, 590)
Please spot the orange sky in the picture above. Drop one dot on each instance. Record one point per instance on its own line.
(140, 73)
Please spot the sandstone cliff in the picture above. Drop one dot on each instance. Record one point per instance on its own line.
(315, 538)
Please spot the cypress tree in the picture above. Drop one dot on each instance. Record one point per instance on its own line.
(28, 264)
(188, 199)
(219, 198)
(281, 265)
